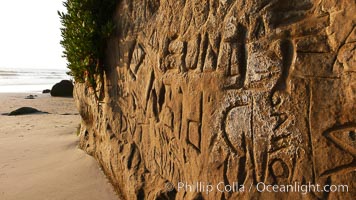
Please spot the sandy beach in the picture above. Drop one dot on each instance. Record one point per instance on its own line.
(39, 157)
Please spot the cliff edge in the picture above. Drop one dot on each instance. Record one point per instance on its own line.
(225, 92)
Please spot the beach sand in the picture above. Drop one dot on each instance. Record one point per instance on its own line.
(39, 157)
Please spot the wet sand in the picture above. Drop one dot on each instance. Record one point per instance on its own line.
(39, 158)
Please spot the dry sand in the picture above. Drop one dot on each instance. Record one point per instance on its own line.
(39, 158)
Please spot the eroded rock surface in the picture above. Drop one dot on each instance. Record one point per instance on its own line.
(226, 91)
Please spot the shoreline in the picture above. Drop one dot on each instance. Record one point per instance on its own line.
(30, 80)
(39, 154)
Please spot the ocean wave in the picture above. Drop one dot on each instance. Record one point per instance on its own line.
(29, 79)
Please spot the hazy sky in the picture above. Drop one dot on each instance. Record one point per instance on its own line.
(30, 34)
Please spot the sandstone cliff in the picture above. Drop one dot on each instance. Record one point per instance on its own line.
(214, 91)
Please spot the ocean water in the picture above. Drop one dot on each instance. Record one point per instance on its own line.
(27, 80)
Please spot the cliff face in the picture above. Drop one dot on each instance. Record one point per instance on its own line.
(226, 91)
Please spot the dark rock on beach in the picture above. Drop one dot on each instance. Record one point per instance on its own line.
(30, 96)
(62, 89)
(25, 111)
(46, 91)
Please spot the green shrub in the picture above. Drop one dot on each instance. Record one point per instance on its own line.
(87, 25)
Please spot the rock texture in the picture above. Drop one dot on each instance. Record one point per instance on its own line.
(226, 91)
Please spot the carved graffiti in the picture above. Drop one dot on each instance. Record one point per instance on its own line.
(194, 123)
(138, 56)
(344, 138)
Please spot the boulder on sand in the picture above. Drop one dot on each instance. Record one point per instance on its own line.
(31, 96)
(25, 111)
(46, 91)
(62, 89)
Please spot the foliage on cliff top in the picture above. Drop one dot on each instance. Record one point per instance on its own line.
(87, 25)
